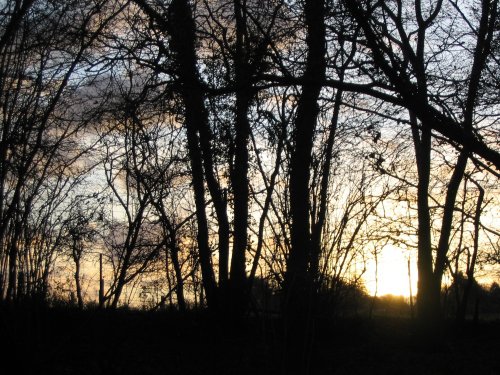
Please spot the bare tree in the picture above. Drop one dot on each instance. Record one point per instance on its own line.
(38, 88)
(414, 80)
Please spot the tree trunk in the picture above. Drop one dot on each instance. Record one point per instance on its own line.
(298, 283)
(317, 228)
(78, 286)
(76, 258)
(239, 172)
(13, 262)
(428, 295)
(179, 288)
(305, 123)
(120, 284)
(449, 209)
(469, 284)
(101, 284)
(182, 33)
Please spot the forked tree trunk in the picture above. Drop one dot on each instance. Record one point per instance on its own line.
(317, 227)
(239, 172)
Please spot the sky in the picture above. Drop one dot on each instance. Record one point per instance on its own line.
(392, 273)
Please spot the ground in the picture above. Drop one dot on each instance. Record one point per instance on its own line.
(66, 341)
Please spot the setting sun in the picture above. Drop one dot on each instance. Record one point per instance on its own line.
(391, 275)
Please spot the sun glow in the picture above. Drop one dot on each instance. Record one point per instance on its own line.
(391, 275)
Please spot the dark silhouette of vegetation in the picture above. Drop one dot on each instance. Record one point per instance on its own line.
(235, 171)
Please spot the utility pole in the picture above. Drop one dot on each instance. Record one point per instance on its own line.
(101, 284)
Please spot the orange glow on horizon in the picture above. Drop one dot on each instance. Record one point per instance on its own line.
(392, 274)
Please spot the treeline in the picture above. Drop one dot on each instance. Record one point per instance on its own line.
(194, 149)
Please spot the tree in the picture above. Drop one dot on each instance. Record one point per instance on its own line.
(79, 231)
(236, 30)
(132, 240)
(406, 68)
(39, 86)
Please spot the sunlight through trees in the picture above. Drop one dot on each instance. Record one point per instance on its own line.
(249, 156)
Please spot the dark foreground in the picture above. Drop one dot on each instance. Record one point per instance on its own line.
(58, 341)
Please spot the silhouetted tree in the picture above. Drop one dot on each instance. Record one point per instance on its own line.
(43, 45)
(410, 74)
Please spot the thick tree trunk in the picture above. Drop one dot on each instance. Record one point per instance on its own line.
(305, 123)
(182, 33)
(428, 295)
(298, 281)
(430, 275)
(239, 172)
